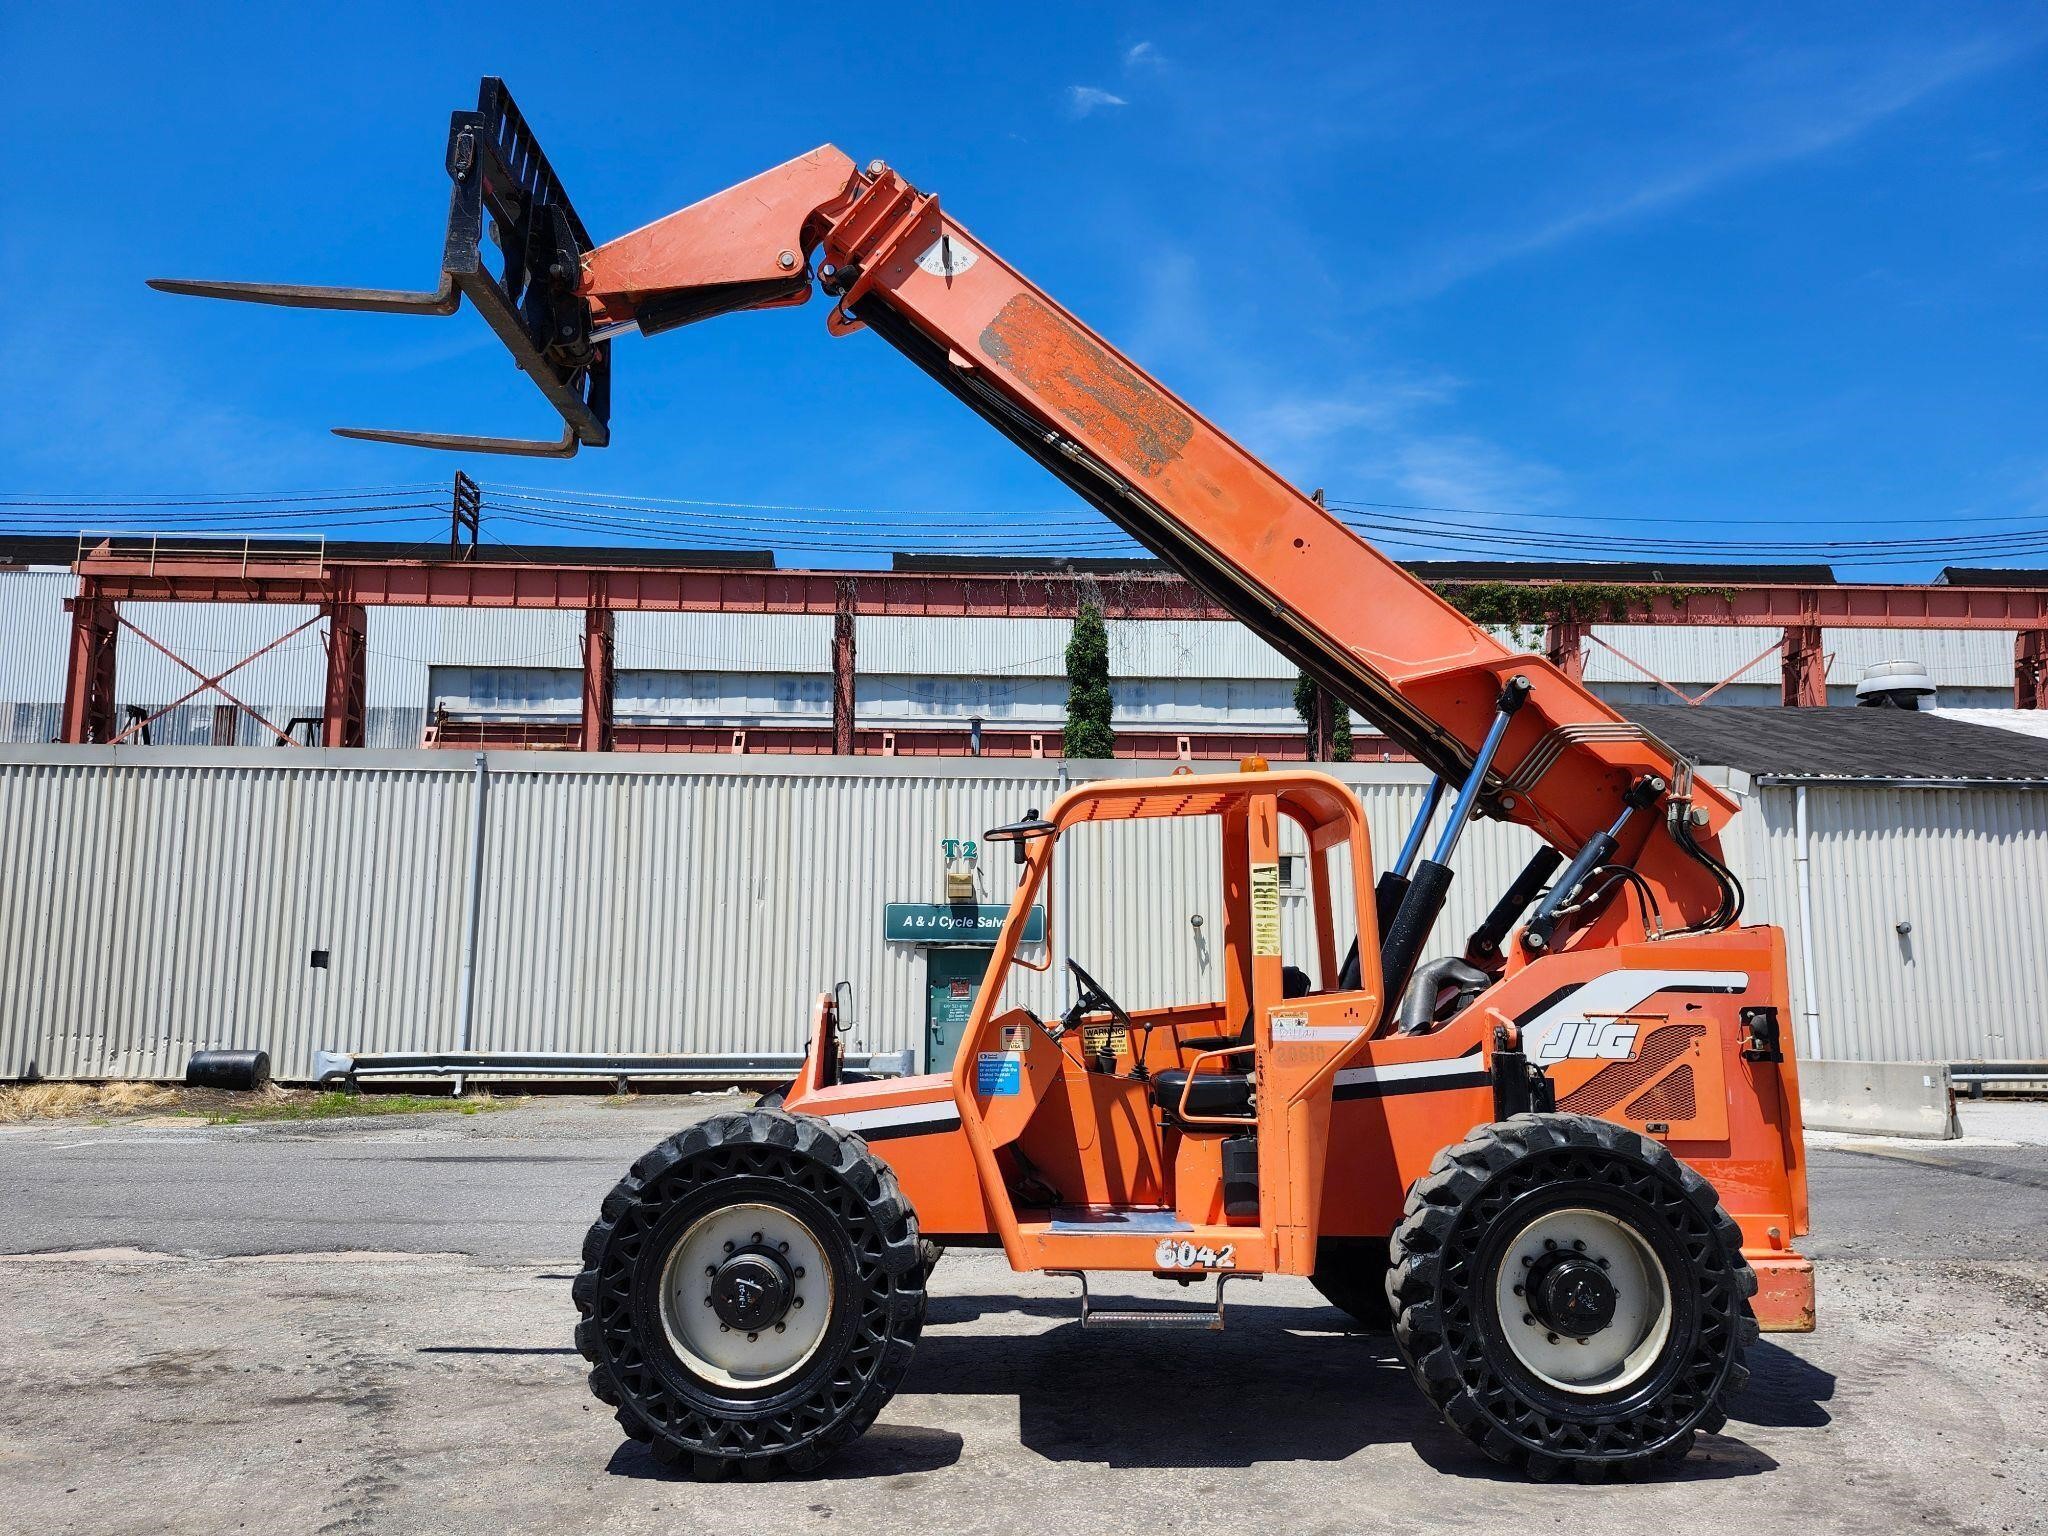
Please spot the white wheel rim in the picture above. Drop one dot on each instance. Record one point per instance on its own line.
(730, 1357)
(1619, 1354)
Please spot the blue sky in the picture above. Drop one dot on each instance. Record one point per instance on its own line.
(1739, 273)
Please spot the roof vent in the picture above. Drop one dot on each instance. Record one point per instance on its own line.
(1895, 685)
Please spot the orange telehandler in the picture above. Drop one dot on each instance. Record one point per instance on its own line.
(1563, 1161)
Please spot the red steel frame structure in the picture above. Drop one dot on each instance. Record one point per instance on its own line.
(345, 589)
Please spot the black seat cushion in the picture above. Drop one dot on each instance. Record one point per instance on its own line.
(1215, 1093)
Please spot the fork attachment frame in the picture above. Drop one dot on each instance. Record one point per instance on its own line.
(504, 190)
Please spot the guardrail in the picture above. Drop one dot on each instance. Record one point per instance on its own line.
(330, 1067)
(1976, 1075)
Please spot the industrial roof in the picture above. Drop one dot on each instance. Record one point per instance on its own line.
(1718, 574)
(1988, 576)
(43, 549)
(1847, 743)
(1426, 570)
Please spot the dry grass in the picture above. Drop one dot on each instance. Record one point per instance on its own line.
(58, 1101)
(108, 1101)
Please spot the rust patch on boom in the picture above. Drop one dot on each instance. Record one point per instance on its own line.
(1116, 409)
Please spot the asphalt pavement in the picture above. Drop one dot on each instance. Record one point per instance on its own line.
(363, 1326)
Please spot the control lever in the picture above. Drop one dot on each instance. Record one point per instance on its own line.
(1537, 932)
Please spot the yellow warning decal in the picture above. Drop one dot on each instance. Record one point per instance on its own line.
(1266, 909)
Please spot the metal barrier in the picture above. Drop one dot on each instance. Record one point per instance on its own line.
(330, 1067)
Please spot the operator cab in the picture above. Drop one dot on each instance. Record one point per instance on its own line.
(1165, 1102)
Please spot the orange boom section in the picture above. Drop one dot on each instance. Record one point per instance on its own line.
(1381, 640)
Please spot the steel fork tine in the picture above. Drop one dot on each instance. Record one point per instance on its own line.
(463, 442)
(383, 301)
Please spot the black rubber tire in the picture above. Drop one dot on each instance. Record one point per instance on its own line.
(929, 1253)
(1351, 1273)
(773, 1098)
(1481, 1192)
(850, 1201)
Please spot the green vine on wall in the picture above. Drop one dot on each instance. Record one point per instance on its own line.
(1520, 607)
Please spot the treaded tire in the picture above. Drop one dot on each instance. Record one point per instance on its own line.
(848, 1198)
(1351, 1273)
(1466, 1211)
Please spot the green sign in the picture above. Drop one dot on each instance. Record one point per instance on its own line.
(960, 922)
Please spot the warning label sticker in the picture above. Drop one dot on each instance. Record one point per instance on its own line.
(1266, 909)
(1016, 1037)
(998, 1074)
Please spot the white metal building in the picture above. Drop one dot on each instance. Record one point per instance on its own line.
(157, 901)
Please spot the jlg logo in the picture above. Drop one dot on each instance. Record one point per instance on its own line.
(1588, 1041)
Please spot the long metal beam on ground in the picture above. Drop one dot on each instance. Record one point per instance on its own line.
(150, 571)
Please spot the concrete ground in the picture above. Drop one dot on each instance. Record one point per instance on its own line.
(364, 1326)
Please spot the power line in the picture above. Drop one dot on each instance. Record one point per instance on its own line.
(1413, 528)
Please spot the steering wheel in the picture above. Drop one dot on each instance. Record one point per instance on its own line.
(1093, 998)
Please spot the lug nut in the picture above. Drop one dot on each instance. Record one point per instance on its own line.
(1579, 1243)
(1601, 1262)
(782, 1247)
(725, 1328)
(728, 1247)
(1549, 1243)
(779, 1327)
(1518, 1290)
(1529, 1320)
(1527, 1261)
(799, 1271)
(1551, 1337)
(711, 1271)
(797, 1302)
(753, 1338)
(1585, 1342)
(755, 1238)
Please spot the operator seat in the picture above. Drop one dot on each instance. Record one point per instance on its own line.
(1215, 1093)
(1221, 1093)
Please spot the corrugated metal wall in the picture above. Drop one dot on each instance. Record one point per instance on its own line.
(1966, 867)
(165, 900)
(158, 901)
(149, 911)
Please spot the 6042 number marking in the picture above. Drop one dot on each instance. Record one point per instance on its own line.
(1184, 1255)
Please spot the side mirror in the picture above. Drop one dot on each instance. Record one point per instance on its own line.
(1020, 832)
(842, 1005)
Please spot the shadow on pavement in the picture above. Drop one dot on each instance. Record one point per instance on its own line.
(1283, 1384)
(886, 1450)
(1785, 1391)
(496, 1349)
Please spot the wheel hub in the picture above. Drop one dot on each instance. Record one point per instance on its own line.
(752, 1290)
(1571, 1295)
(1584, 1304)
(746, 1294)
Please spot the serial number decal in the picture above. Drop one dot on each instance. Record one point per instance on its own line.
(1185, 1255)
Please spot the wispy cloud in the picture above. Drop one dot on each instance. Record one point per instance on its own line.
(1142, 56)
(1384, 433)
(1082, 100)
(1778, 122)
